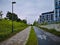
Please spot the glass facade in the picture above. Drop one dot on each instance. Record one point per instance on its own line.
(57, 10)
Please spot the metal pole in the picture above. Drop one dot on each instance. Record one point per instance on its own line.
(12, 16)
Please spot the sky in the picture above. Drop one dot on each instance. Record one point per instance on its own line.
(27, 9)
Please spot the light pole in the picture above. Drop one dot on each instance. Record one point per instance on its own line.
(12, 14)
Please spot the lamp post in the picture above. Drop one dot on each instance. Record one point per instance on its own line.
(12, 14)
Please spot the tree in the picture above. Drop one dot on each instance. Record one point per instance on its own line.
(1, 14)
(18, 20)
(9, 16)
(25, 21)
(35, 22)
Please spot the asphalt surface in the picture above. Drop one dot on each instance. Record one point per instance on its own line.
(44, 39)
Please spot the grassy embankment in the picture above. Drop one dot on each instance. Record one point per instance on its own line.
(32, 38)
(53, 31)
(6, 28)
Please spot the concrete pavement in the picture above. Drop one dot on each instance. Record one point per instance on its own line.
(19, 39)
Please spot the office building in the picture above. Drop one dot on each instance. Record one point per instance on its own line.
(46, 17)
(57, 10)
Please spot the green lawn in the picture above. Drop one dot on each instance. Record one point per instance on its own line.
(32, 38)
(6, 28)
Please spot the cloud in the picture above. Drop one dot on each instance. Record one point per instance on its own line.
(27, 8)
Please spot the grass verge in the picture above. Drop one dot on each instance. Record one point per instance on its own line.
(53, 31)
(6, 28)
(32, 38)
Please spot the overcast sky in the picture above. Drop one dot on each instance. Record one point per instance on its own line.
(27, 9)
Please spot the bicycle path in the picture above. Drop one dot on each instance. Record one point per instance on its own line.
(18, 39)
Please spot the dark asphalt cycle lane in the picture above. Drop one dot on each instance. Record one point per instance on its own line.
(44, 39)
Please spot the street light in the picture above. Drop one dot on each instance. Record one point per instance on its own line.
(12, 14)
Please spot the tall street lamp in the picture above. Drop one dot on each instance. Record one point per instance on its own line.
(12, 14)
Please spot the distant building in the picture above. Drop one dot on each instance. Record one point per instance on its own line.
(57, 10)
(47, 17)
(53, 16)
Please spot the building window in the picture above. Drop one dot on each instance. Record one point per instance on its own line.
(51, 16)
(59, 3)
(59, 12)
(56, 16)
(56, 3)
(47, 17)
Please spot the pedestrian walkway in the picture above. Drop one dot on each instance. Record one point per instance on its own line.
(19, 39)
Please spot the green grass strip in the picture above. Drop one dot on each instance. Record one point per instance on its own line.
(6, 28)
(53, 31)
(32, 38)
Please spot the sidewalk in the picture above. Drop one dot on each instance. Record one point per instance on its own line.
(19, 39)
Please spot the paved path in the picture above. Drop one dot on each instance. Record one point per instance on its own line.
(19, 39)
(46, 38)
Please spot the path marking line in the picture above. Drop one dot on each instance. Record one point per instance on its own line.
(42, 37)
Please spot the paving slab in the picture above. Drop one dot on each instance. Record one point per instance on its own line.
(18, 39)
